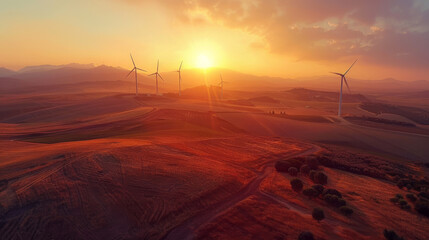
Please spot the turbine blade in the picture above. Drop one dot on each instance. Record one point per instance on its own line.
(160, 77)
(347, 84)
(157, 66)
(180, 66)
(152, 74)
(350, 67)
(130, 72)
(141, 69)
(132, 60)
(339, 74)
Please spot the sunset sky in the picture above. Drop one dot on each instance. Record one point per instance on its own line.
(286, 38)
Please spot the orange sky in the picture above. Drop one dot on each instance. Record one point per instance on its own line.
(276, 38)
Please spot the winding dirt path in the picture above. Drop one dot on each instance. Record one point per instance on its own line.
(186, 230)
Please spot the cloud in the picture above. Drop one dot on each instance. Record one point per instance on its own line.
(385, 32)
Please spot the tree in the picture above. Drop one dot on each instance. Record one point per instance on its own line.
(422, 207)
(391, 235)
(306, 236)
(310, 192)
(318, 214)
(292, 171)
(320, 178)
(296, 184)
(346, 210)
(319, 188)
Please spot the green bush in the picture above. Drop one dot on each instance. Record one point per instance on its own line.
(422, 207)
(402, 202)
(411, 197)
(318, 214)
(320, 178)
(292, 171)
(306, 236)
(319, 188)
(296, 184)
(310, 192)
(391, 235)
(346, 210)
(332, 192)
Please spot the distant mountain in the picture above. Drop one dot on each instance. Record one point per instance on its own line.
(4, 72)
(67, 75)
(42, 68)
(235, 81)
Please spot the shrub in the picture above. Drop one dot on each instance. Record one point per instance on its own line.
(332, 192)
(409, 186)
(296, 184)
(306, 236)
(402, 202)
(401, 183)
(394, 200)
(347, 211)
(305, 169)
(341, 202)
(399, 196)
(391, 235)
(320, 178)
(406, 207)
(424, 195)
(422, 207)
(318, 214)
(411, 197)
(319, 188)
(310, 192)
(292, 171)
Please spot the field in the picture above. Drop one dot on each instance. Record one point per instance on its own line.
(113, 166)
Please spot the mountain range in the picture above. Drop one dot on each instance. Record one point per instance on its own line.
(84, 74)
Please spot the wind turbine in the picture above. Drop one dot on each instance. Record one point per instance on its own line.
(343, 79)
(135, 71)
(180, 76)
(221, 86)
(156, 76)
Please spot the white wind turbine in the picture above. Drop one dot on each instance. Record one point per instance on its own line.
(343, 79)
(135, 71)
(221, 86)
(156, 76)
(180, 77)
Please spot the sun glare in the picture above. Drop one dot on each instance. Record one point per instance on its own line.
(203, 61)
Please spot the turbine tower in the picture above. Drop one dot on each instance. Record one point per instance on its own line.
(135, 71)
(180, 77)
(343, 79)
(156, 76)
(221, 86)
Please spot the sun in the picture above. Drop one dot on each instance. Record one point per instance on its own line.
(203, 61)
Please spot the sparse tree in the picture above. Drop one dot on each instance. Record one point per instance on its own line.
(293, 171)
(296, 184)
(318, 214)
(391, 235)
(346, 210)
(306, 236)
